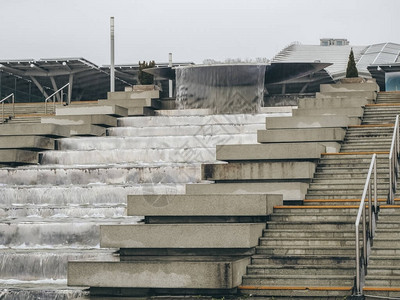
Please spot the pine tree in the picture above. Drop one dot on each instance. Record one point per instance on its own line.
(146, 78)
(351, 70)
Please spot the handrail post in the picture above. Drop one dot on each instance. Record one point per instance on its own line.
(2, 112)
(364, 234)
(358, 283)
(13, 105)
(370, 209)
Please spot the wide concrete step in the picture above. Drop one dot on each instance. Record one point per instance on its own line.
(312, 242)
(300, 292)
(300, 270)
(384, 261)
(111, 110)
(305, 250)
(322, 217)
(301, 233)
(328, 102)
(301, 135)
(117, 156)
(298, 260)
(166, 121)
(34, 232)
(344, 182)
(187, 130)
(322, 225)
(306, 122)
(377, 270)
(16, 157)
(100, 120)
(108, 174)
(384, 281)
(80, 195)
(324, 202)
(295, 280)
(307, 210)
(49, 130)
(156, 143)
(382, 187)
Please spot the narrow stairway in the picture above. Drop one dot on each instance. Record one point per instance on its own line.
(308, 251)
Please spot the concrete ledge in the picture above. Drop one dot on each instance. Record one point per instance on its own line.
(131, 103)
(347, 111)
(26, 142)
(187, 236)
(112, 110)
(133, 95)
(328, 102)
(141, 111)
(87, 130)
(301, 170)
(369, 95)
(349, 87)
(100, 120)
(284, 151)
(288, 190)
(49, 130)
(15, 156)
(207, 274)
(202, 205)
(314, 122)
(301, 135)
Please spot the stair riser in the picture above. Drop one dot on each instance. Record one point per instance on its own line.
(296, 261)
(300, 272)
(309, 251)
(306, 242)
(298, 282)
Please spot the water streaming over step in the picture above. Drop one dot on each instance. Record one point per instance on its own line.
(51, 213)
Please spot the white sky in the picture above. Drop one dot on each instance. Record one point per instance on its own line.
(193, 30)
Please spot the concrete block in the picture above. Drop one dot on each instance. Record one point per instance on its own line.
(349, 87)
(26, 142)
(87, 130)
(369, 95)
(329, 102)
(100, 120)
(128, 103)
(112, 110)
(311, 122)
(16, 156)
(288, 190)
(133, 95)
(181, 236)
(301, 135)
(208, 273)
(140, 111)
(347, 111)
(38, 129)
(283, 151)
(285, 170)
(202, 205)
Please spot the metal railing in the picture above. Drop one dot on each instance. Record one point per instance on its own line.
(2, 106)
(53, 96)
(393, 162)
(368, 225)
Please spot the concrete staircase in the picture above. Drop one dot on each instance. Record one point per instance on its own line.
(52, 212)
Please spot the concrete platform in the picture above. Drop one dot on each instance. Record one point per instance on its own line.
(369, 95)
(133, 95)
(289, 190)
(314, 122)
(202, 273)
(131, 103)
(181, 236)
(202, 205)
(16, 157)
(300, 170)
(111, 110)
(100, 120)
(347, 111)
(87, 130)
(277, 151)
(301, 135)
(329, 102)
(349, 87)
(24, 129)
(29, 142)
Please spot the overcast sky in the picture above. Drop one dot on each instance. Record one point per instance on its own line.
(193, 30)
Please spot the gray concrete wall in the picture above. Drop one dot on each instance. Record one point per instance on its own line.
(347, 111)
(349, 87)
(301, 135)
(314, 122)
(329, 102)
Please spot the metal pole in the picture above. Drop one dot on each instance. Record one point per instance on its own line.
(112, 68)
(170, 81)
(358, 261)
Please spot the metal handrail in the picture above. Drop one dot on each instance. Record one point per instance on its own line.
(367, 235)
(394, 161)
(54, 98)
(2, 106)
